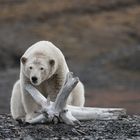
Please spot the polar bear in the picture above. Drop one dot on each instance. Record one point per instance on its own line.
(43, 65)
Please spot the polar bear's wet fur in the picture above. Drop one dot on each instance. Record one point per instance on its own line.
(43, 65)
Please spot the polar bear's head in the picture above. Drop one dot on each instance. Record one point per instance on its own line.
(38, 69)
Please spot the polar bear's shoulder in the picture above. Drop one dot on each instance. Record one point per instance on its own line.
(44, 47)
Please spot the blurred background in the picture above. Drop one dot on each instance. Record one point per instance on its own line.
(99, 38)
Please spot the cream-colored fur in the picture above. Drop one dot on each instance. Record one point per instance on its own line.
(47, 64)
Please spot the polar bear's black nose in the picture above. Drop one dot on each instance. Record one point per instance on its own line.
(34, 79)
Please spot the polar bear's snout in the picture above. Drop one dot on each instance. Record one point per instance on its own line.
(34, 79)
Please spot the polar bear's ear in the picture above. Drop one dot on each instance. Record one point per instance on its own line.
(23, 60)
(52, 62)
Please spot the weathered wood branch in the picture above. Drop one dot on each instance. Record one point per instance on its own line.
(90, 113)
(58, 110)
(65, 91)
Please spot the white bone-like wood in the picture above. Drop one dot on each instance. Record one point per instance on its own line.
(66, 113)
(62, 96)
(37, 96)
(90, 113)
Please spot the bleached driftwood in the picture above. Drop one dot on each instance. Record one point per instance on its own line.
(58, 110)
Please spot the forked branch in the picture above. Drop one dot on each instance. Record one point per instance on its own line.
(54, 111)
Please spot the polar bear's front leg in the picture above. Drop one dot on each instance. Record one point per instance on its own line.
(77, 96)
(30, 106)
(16, 106)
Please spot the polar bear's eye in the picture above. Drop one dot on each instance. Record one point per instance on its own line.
(30, 67)
(41, 68)
(52, 62)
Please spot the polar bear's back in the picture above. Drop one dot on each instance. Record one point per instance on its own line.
(44, 47)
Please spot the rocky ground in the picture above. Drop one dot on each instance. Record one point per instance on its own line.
(126, 127)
